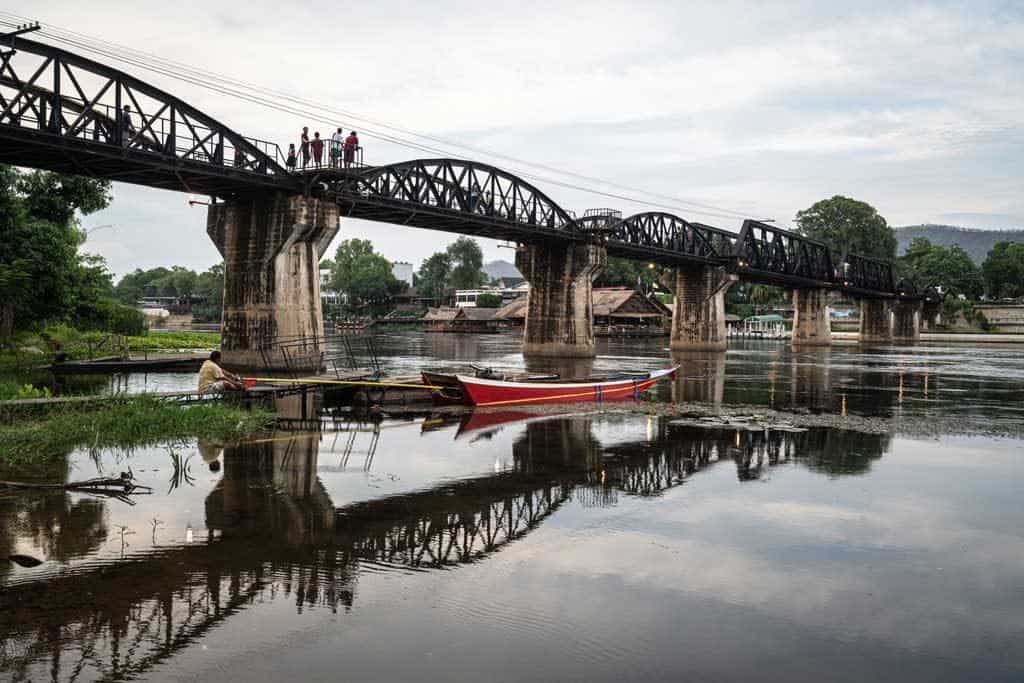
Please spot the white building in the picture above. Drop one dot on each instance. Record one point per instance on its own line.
(402, 271)
(466, 298)
(327, 293)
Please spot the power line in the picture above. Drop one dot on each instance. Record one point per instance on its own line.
(238, 89)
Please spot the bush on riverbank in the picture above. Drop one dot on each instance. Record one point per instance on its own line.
(156, 342)
(31, 349)
(135, 422)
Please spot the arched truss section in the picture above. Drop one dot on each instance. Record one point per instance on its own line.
(772, 255)
(63, 112)
(456, 196)
(665, 237)
(861, 274)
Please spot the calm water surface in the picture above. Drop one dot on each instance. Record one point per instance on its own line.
(578, 546)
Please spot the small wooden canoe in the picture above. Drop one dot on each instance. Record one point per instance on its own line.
(478, 391)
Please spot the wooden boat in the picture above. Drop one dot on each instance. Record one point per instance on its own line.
(439, 379)
(479, 391)
(450, 391)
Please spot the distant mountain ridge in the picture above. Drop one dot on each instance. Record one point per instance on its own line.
(500, 268)
(976, 243)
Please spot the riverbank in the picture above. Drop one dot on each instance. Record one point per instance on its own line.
(949, 337)
(124, 424)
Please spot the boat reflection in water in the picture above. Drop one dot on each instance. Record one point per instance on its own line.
(274, 533)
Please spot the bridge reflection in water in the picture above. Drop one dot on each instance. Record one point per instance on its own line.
(276, 534)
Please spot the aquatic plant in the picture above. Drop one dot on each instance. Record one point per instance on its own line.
(123, 424)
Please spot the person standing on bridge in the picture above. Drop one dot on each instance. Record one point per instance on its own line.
(304, 147)
(318, 149)
(127, 129)
(291, 159)
(337, 142)
(351, 145)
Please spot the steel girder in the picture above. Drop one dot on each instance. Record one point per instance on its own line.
(867, 277)
(666, 238)
(765, 253)
(63, 112)
(455, 196)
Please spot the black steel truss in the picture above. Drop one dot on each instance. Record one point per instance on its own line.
(66, 113)
(772, 255)
(868, 277)
(664, 237)
(455, 196)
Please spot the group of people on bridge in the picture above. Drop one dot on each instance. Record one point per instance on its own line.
(341, 154)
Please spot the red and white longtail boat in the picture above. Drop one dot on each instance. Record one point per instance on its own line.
(478, 391)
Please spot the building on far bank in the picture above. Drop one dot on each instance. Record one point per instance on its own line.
(613, 308)
(466, 298)
(402, 270)
(466, 320)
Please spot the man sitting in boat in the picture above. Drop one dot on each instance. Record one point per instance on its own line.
(213, 378)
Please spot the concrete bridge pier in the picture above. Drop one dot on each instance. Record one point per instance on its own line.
(698, 307)
(811, 326)
(930, 313)
(875, 321)
(559, 319)
(271, 246)
(906, 322)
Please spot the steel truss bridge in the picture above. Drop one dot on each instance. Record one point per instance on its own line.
(63, 112)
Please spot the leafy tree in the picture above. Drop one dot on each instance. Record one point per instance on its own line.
(40, 268)
(949, 267)
(621, 272)
(467, 264)
(363, 275)
(1003, 270)
(210, 286)
(432, 277)
(848, 226)
(488, 300)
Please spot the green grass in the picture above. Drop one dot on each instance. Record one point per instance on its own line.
(136, 422)
(174, 341)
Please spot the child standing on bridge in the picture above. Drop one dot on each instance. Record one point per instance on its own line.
(291, 160)
(318, 149)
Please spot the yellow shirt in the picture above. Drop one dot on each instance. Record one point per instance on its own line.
(209, 373)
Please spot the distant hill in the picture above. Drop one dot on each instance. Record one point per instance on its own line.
(976, 243)
(501, 268)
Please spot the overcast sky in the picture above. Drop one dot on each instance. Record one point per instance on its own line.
(760, 108)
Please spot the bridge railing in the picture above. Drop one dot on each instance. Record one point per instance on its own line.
(332, 157)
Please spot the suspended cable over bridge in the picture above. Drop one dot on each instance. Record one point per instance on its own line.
(64, 112)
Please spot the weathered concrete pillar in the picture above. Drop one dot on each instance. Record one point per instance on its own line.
(271, 247)
(906, 321)
(811, 326)
(559, 316)
(930, 315)
(698, 308)
(875, 322)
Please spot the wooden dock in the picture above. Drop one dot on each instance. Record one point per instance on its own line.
(169, 362)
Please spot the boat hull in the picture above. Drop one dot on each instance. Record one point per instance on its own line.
(484, 392)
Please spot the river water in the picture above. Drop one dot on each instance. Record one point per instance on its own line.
(591, 543)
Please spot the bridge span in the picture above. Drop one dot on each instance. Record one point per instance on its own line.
(64, 112)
